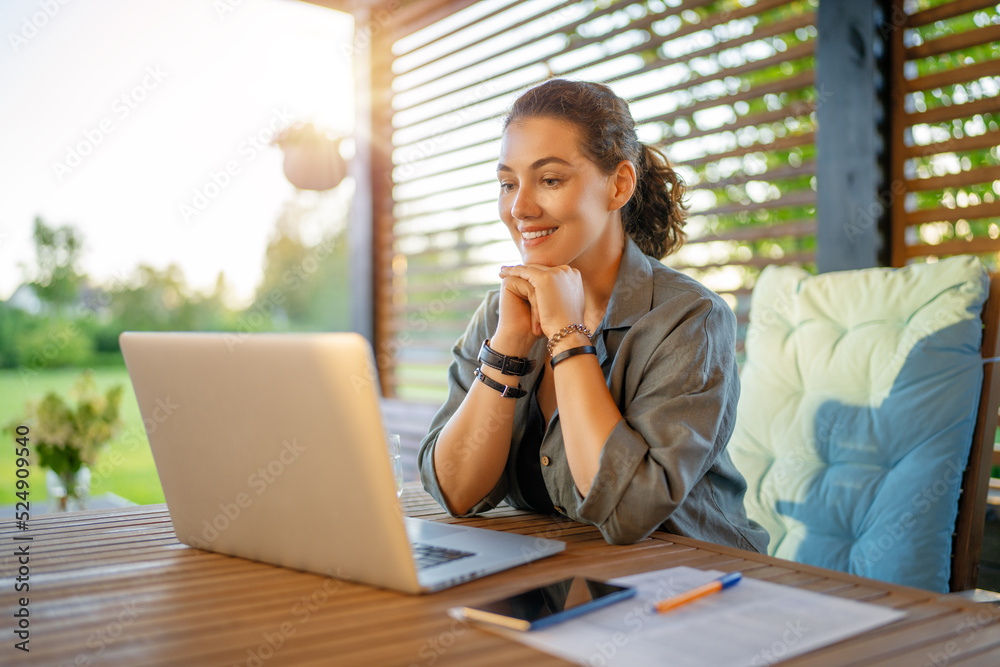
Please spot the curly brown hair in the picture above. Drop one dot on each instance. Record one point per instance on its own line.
(655, 215)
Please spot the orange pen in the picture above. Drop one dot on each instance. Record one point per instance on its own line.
(719, 584)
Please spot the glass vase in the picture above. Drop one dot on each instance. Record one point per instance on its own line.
(68, 492)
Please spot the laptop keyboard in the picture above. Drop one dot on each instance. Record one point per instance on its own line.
(427, 555)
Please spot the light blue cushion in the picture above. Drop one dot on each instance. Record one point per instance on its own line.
(858, 403)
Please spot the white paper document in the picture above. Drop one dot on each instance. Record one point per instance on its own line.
(753, 623)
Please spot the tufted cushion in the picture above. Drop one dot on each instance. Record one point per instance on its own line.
(859, 399)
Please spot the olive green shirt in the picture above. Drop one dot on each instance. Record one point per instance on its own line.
(667, 351)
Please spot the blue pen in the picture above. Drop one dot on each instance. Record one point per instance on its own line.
(722, 583)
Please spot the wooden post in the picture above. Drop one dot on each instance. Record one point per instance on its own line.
(853, 197)
(359, 237)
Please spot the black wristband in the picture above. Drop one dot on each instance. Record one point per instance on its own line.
(506, 365)
(572, 352)
(505, 390)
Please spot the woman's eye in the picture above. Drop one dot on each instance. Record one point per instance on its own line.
(506, 187)
(551, 182)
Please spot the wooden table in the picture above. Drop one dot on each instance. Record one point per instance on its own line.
(114, 586)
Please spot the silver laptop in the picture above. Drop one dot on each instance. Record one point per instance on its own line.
(271, 447)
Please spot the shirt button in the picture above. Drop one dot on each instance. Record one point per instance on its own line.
(558, 509)
(545, 460)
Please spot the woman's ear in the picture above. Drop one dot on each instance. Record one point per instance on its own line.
(622, 184)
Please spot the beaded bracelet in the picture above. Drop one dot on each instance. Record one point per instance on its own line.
(565, 331)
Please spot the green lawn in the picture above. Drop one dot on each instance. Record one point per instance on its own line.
(125, 466)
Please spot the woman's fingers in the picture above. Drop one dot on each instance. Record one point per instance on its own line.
(554, 292)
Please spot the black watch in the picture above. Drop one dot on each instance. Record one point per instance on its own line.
(506, 365)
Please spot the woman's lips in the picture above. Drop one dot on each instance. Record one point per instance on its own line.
(534, 237)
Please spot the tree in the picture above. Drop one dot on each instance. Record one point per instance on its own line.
(305, 285)
(57, 253)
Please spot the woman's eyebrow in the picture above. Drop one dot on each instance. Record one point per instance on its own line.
(537, 163)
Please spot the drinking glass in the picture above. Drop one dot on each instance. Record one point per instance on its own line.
(396, 456)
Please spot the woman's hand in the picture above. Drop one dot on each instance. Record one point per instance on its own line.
(553, 295)
(518, 328)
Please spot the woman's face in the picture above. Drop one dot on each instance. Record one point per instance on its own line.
(558, 205)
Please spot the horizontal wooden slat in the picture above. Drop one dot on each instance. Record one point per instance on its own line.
(760, 32)
(760, 232)
(798, 51)
(988, 210)
(457, 29)
(947, 10)
(963, 40)
(983, 141)
(780, 144)
(800, 198)
(756, 262)
(784, 85)
(509, 45)
(655, 42)
(962, 74)
(964, 178)
(418, 14)
(777, 174)
(977, 246)
(796, 108)
(953, 111)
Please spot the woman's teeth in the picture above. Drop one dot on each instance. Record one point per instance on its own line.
(527, 236)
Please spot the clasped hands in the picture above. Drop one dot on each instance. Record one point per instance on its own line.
(537, 300)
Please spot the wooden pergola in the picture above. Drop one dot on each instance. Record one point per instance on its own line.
(860, 67)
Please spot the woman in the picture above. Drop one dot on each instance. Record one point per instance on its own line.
(596, 383)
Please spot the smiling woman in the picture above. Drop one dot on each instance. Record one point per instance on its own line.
(624, 428)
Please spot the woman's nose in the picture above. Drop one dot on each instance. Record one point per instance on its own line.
(524, 205)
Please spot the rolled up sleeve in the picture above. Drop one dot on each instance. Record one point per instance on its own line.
(680, 406)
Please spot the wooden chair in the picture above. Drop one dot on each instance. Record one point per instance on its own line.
(971, 521)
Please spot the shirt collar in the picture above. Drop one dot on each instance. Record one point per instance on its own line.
(633, 293)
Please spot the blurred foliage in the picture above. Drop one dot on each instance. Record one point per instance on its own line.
(65, 436)
(305, 288)
(57, 253)
(940, 158)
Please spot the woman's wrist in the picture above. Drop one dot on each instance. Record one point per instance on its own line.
(571, 340)
(511, 345)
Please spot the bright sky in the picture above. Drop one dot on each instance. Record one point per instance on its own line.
(160, 96)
